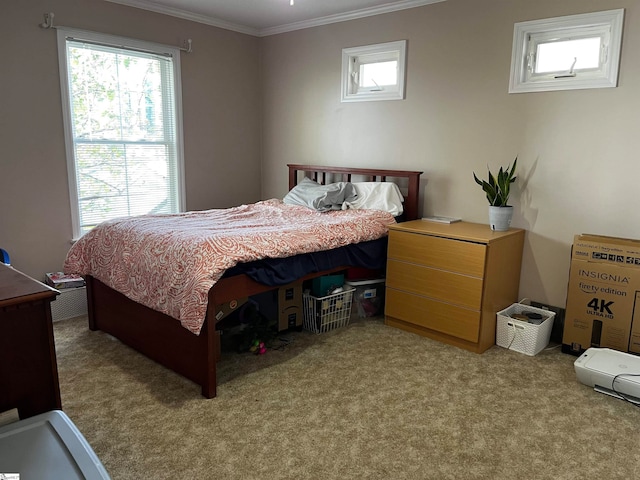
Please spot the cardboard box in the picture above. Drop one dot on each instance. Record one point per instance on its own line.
(224, 309)
(634, 342)
(604, 283)
(285, 303)
(290, 306)
(290, 317)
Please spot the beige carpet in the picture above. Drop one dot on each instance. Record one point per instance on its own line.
(363, 402)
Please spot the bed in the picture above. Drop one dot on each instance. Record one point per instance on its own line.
(166, 340)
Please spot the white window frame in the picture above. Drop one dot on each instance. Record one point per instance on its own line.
(127, 43)
(606, 25)
(353, 57)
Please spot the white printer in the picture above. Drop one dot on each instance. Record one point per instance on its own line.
(610, 371)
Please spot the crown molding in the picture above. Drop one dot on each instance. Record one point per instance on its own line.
(344, 17)
(289, 27)
(194, 17)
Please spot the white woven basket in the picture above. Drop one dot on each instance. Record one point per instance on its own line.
(521, 336)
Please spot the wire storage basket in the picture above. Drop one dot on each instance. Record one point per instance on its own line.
(322, 314)
(523, 336)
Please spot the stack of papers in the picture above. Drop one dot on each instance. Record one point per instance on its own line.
(441, 219)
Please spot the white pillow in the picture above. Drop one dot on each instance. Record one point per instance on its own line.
(384, 196)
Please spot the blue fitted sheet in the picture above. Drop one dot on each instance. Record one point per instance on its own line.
(281, 271)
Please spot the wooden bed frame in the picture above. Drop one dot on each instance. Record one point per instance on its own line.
(163, 339)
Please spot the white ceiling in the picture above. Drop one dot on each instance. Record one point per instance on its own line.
(268, 17)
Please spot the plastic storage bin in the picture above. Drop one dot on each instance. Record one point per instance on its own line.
(48, 446)
(322, 314)
(522, 336)
(368, 299)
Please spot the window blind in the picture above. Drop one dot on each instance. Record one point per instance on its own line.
(123, 124)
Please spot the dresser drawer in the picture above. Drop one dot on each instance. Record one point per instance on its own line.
(437, 252)
(428, 313)
(449, 287)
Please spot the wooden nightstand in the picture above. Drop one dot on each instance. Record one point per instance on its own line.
(28, 367)
(448, 281)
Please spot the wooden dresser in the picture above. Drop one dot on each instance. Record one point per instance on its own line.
(28, 367)
(448, 281)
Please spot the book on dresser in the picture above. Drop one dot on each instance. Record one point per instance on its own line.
(441, 219)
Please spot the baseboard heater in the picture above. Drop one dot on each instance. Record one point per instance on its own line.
(601, 367)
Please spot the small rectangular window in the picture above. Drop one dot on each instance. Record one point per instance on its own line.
(373, 72)
(577, 51)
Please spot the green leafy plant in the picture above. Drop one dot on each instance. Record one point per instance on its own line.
(498, 187)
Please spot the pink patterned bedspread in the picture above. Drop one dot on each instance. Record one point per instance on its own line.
(170, 262)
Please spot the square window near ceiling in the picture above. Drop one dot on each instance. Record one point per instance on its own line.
(374, 72)
(578, 51)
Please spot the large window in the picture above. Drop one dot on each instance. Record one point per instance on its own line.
(577, 51)
(123, 127)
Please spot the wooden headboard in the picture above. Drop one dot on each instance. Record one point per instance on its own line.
(322, 174)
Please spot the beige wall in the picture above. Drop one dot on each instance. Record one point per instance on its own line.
(577, 150)
(221, 103)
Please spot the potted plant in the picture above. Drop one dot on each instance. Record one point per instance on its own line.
(497, 189)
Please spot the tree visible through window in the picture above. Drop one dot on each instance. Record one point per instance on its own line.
(122, 130)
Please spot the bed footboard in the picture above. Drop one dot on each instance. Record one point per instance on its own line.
(161, 337)
(156, 335)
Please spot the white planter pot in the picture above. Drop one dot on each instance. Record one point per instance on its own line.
(500, 218)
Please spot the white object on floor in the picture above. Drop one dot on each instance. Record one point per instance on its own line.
(598, 367)
(48, 446)
(72, 302)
